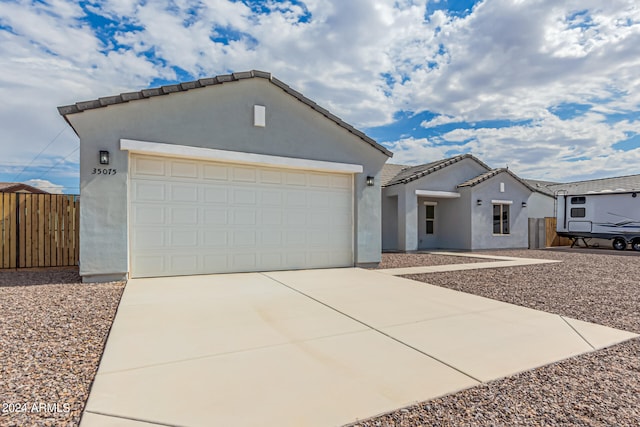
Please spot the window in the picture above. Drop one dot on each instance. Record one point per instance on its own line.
(500, 219)
(578, 212)
(431, 218)
(578, 201)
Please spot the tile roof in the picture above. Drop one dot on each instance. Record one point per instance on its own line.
(79, 107)
(621, 183)
(411, 173)
(389, 171)
(15, 187)
(541, 186)
(490, 174)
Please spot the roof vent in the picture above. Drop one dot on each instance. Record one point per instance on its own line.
(259, 116)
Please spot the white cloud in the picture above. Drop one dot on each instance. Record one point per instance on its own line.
(45, 185)
(442, 119)
(507, 60)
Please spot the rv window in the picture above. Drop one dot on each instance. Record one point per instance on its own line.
(578, 212)
(578, 201)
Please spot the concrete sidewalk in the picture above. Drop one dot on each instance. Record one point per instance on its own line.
(313, 348)
(497, 261)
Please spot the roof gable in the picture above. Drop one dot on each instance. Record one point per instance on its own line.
(491, 174)
(79, 107)
(412, 173)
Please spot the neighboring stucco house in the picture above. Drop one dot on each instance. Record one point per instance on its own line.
(227, 174)
(455, 203)
(19, 187)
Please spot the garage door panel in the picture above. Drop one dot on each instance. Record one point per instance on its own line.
(341, 181)
(216, 261)
(242, 174)
(270, 177)
(184, 193)
(216, 238)
(184, 263)
(271, 217)
(319, 180)
(244, 217)
(197, 217)
(149, 191)
(296, 199)
(243, 238)
(149, 239)
(215, 172)
(215, 217)
(149, 265)
(184, 216)
(296, 218)
(270, 197)
(295, 239)
(215, 195)
(243, 261)
(184, 238)
(295, 178)
(148, 214)
(271, 238)
(271, 261)
(244, 197)
(149, 166)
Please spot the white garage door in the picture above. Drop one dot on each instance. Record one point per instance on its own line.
(198, 217)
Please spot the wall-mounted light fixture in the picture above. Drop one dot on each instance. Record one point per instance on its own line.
(370, 181)
(524, 204)
(479, 202)
(104, 157)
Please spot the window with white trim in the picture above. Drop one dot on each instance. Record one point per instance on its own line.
(431, 218)
(501, 219)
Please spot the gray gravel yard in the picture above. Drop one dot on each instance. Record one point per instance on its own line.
(419, 260)
(597, 389)
(52, 334)
(53, 330)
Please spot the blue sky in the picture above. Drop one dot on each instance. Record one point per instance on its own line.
(549, 88)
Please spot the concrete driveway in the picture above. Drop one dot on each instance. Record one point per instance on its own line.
(313, 348)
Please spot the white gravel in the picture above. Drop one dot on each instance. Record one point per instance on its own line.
(596, 389)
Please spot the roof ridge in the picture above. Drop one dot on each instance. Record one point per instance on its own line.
(431, 167)
(490, 174)
(125, 97)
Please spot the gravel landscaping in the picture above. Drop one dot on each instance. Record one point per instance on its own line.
(53, 329)
(52, 334)
(596, 389)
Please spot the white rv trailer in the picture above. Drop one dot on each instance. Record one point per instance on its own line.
(611, 215)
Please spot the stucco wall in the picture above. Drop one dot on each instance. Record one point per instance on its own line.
(540, 205)
(482, 216)
(220, 117)
(389, 222)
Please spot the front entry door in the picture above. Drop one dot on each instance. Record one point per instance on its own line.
(428, 230)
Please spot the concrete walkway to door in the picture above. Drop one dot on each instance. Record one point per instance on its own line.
(312, 347)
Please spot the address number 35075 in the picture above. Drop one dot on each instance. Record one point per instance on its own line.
(99, 171)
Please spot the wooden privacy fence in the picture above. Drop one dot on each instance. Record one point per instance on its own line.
(552, 238)
(39, 230)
